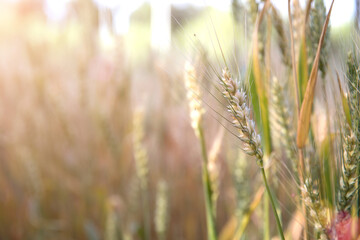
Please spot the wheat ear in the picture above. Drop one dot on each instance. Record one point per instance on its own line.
(315, 207)
(237, 106)
(142, 166)
(348, 172)
(280, 119)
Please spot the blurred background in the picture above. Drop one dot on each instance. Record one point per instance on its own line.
(95, 138)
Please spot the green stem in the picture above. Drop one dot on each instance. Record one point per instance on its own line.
(210, 218)
(266, 218)
(272, 204)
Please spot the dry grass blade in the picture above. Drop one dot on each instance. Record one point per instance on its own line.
(305, 112)
(307, 12)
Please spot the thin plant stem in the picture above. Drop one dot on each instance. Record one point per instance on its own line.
(210, 218)
(278, 223)
(266, 217)
(267, 143)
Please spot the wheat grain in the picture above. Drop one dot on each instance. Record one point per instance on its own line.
(316, 209)
(348, 172)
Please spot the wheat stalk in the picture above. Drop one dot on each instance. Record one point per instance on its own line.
(242, 121)
(196, 112)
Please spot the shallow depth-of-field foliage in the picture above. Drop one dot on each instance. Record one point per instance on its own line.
(247, 127)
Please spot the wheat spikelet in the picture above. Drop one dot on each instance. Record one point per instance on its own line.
(353, 75)
(281, 121)
(348, 173)
(298, 25)
(140, 153)
(316, 209)
(241, 116)
(282, 40)
(253, 9)
(317, 19)
(193, 96)
(142, 166)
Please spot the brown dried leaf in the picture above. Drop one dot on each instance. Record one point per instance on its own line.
(306, 106)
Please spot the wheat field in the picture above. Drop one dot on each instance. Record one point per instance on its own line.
(245, 124)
